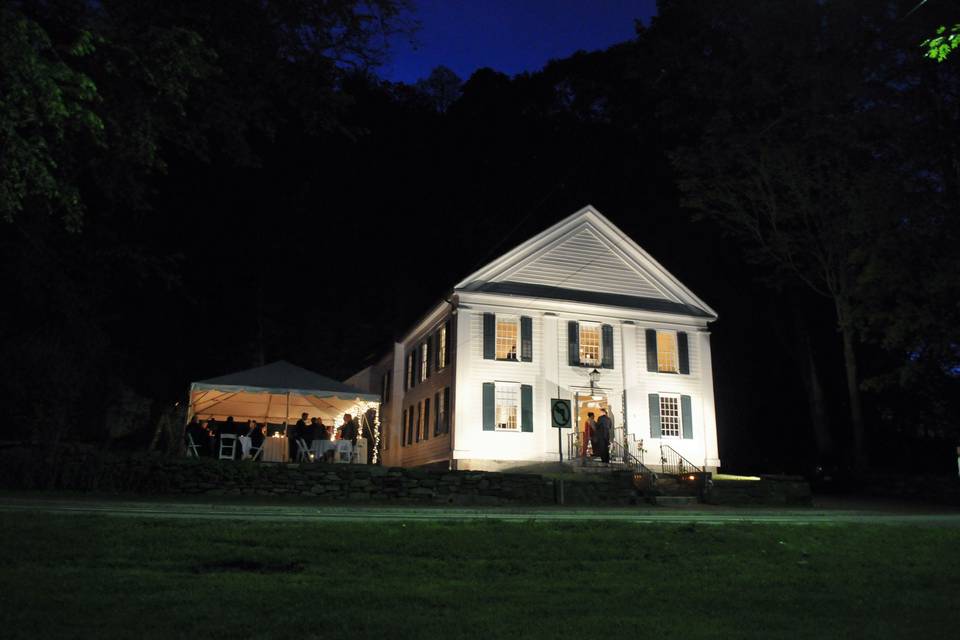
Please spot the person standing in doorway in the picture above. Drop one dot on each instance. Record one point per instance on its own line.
(589, 433)
(604, 429)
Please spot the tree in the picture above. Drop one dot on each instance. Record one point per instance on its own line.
(792, 160)
(442, 87)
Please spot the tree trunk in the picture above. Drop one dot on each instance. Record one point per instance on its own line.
(853, 390)
(816, 403)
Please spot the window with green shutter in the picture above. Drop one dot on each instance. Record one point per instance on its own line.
(489, 406)
(526, 408)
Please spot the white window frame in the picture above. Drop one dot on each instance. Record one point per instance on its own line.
(424, 360)
(503, 391)
(515, 321)
(661, 353)
(675, 397)
(599, 329)
(442, 347)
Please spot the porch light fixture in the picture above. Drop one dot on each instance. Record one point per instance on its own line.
(594, 378)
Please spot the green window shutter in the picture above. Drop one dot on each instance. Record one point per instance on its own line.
(436, 413)
(526, 339)
(573, 342)
(428, 345)
(489, 336)
(446, 351)
(418, 425)
(446, 410)
(411, 418)
(416, 367)
(654, 415)
(651, 335)
(489, 406)
(683, 351)
(426, 419)
(686, 417)
(403, 430)
(606, 356)
(526, 408)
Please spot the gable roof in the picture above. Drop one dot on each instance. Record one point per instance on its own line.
(586, 258)
(280, 377)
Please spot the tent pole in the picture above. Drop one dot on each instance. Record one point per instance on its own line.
(190, 407)
(287, 418)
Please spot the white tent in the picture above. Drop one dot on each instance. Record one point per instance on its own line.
(277, 393)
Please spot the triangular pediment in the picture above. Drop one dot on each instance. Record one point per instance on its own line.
(585, 253)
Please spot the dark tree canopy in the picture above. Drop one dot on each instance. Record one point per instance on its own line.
(192, 188)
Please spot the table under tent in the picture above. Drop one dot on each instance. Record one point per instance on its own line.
(277, 394)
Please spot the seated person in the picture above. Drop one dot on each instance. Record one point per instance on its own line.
(256, 434)
(322, 432)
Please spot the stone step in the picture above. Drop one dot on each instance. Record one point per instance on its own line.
(672, 501)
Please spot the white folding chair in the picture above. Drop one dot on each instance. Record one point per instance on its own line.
(192, 448)
(256, 451)
(303, 453)
(228, 446)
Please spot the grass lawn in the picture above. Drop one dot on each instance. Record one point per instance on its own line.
(103, 577)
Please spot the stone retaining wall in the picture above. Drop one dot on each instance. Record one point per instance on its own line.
(769, 490)
(84, 469)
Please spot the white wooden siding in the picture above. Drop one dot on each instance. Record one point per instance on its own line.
(552, 374)
(648, 382)
(586, 262)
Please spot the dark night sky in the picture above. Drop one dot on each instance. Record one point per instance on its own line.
(509, 35)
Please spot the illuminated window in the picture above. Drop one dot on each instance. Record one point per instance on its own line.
(590, 345)
(409, 370)
(508, 331)
(508, 406)
(424, 360)
(442, 347)
(667, 352)
(669, 416)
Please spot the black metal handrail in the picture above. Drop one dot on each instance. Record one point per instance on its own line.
(674, 463)
(622, 459)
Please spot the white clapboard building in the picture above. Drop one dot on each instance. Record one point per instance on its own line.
(580, 312)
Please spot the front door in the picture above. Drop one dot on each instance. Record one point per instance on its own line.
(588, 403)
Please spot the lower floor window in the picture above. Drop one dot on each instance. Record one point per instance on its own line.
(670, 416)
(508, 406)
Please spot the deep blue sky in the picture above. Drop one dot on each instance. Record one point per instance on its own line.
(509, 36)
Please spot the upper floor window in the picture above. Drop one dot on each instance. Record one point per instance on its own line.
(508, 406)
(508, 338)
(667, 361)
(590, 346)
(668, 351)
(424, 360)
(442, 347)
(385, 390)
(410, 361)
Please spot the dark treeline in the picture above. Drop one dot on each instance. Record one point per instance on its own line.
(191, 188)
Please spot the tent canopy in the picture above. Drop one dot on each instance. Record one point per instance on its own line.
(278, 392)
